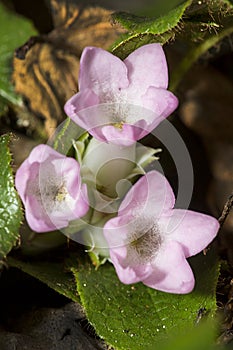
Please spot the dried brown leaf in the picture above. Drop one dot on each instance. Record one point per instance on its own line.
(46, 68)
(64, 11)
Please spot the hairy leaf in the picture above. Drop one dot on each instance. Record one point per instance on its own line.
(197, 26)
(10, 207)
(137, 317)
(202, 337)
(144, 30)
(207, 24)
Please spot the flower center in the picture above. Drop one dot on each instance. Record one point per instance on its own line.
(50, 191)
(54, 196)
(144, 245)
(61, 193)
(119, 125)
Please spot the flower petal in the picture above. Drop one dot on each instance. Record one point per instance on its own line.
(161, 102)
(172, 273)
(37, 217)
(30, 167)
(147, 66)
(129, 274)
(101, 72)
(126, 136)
(194, 231)
(49, 185)
(116, 232)
(131, 122)
(23, 173)
(81, 203)
(151, 195)
(67, 169)
(77, 107)
(41, 153)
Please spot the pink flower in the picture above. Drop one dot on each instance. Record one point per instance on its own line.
(50, 187)
(122, 101)
(149, 241)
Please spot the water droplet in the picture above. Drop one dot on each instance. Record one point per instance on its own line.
(84, 285)
(131, 335)
(164, 326)
(199, 2)
(109, 299)
(111, 330)
(157, 329)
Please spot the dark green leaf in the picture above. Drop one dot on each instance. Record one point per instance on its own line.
(155, 8)
(205, 28)
(10, 208)
(137, 317)
(202, 337)
(14, 31)
(144, 30)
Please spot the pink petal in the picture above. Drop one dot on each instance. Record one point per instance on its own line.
(77, 107)
(41, 153)
(194, 231)
(30, 167)
(37, 217)
(111, 90)
(21, 177)
(101, 72)
(116, 232)
(161, 101)
(67, 169)
(82, 203)
(137, 124)
(172, 273)
(147, 66)
(151, 195)
(36, 181)
(130, 274)
(125, 136)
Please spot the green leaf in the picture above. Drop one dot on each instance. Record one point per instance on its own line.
(202, 337)
(145, 30)
(52, 273)
(151, 8)
(205, 28)
(14, 31)
(197, 26)
(137, 317)
(10, 207)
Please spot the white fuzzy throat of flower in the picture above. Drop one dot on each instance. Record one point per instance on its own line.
(122, 112)
(57, 199)
(51, 192)
(143, 244)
